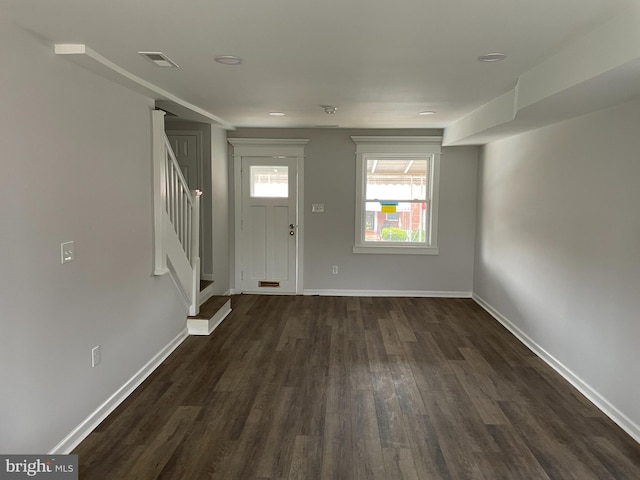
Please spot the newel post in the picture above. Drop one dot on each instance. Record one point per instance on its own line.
(195, 252)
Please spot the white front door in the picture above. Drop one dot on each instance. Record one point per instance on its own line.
(269, 225)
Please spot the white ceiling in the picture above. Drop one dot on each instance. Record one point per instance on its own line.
(380, 62)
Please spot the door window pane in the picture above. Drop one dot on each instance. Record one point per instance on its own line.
(269, 181)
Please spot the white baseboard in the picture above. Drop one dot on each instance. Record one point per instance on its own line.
(78, 434)
(628, 425)
(385, 293)
(207, 276)
(203, 326)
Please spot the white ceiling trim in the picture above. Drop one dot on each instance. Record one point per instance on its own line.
(92, 60)
(598, 70)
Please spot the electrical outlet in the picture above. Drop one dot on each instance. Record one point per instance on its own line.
(95, 356)
(67, 252)
(334, 269)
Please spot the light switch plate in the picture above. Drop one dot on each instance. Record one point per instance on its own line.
(67, 252)
(317, 208)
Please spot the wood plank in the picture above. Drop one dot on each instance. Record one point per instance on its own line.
(391, 430)
(399, 464)
(367, 460)
(306, 462)
(151, 462)
(407, 390)
(337, 449)
(401, 324)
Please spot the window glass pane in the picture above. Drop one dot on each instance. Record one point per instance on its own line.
(402, 179)
(269, 181)
(407, 224)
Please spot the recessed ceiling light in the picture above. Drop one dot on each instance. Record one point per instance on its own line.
(229, 60)
(329, 109)
(277, 114)
(427, 112)
(492, 57)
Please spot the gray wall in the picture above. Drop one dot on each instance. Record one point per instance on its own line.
(76, 165)
(558, 249)
(328, 237)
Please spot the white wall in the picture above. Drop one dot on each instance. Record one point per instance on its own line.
(558, 248)
(330, 169)
(76, 165)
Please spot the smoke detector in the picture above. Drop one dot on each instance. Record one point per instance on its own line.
(329, 109)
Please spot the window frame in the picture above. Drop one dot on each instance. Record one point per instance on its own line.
(401, 148)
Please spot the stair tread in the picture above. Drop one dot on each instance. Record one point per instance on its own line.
(209, 308)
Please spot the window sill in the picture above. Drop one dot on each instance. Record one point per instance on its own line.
(396, 250)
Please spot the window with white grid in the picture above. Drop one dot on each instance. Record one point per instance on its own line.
(397, 195)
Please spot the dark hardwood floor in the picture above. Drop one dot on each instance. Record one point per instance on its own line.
(357, 388)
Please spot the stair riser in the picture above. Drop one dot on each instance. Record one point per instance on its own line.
(203, 326)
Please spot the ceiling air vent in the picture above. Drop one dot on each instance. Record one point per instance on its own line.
(159, 59)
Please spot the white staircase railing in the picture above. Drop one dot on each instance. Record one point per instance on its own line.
(176, 219)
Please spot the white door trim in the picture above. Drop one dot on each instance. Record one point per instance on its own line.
(267, 147)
